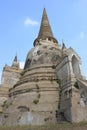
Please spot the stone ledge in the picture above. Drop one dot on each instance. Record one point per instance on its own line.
(31, 90)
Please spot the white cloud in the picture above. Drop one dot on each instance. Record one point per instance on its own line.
(21, 65)
(31, 22)
(82, 35)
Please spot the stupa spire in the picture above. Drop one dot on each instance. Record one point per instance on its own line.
(15, 58)
(45, 28)
(15, 62)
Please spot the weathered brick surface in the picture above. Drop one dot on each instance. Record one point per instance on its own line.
(51, 87)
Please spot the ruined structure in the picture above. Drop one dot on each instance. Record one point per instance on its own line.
(50, 88)
(10, 76)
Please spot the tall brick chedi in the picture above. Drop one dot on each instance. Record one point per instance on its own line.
(50, 88)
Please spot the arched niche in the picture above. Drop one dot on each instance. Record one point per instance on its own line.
(76, 67)
(27, 64)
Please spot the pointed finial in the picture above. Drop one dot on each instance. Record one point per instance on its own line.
(63, 44)
(45, 29)
(15, 59)
(15, 63)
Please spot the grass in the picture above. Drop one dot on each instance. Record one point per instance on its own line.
(63, 126)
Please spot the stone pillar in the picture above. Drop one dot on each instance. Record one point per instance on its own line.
(71, 68)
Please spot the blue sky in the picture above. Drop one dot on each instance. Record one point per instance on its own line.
(20, 22)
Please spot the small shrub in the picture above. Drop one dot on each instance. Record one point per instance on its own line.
(37, 86)
(46, 119)
(10, 89)
(53, 67)
(1, 112)
(19, 118)
(59, 99)
(36, 101)
(22, 73)
(6, 104)
(51, 79)
(76, 85)
(78, 102)
(39, 95)
(58, 81)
